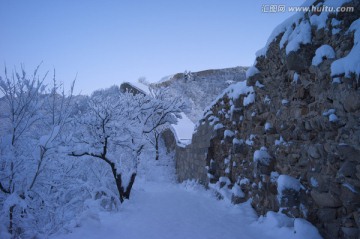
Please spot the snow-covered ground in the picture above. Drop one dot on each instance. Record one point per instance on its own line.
(160, 208)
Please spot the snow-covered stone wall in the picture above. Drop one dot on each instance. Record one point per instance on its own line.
(190, 159)
(290, 139)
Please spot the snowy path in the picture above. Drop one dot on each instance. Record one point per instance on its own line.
(171, 211)
(161, 209)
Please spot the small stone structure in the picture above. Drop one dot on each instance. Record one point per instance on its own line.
(191, 159)
(128, 87)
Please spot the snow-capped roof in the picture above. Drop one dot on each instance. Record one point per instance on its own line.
(183, 130)
(140, 86)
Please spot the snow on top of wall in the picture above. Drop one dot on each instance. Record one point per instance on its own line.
(287, 182)
(277, 31)
(283, 27)
(228, 134)
(240, 88)
(329, 112)
(237, 141)
(234, 91)
(224, 190)
(249, 99)
(267, 126)
(165, 78)
(335, 22)
(258, 84)
(294, 37)
(140, 86)
(218, 126)
(333, 118)
(284, 101)
(350, 63)
(323, 51)
(251, 72)
(225, 180)
(183, 130)
(314, 182)
(250, 140)
(335, 26)
(301, 34)
(320, 20)
(237, 192)
(281, 141)
(262, 156)
(296, 77)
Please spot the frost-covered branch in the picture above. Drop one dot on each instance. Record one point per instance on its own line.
(7, 191)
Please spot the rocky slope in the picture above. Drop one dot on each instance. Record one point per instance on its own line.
(199, 89)
(289, 139)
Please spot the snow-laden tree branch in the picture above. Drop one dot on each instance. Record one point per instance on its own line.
(117, 124)
(166, 111)
(33, 119)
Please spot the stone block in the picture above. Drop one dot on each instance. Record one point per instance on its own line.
(332, 230)
(298, 61)
(313, 152)
(350, 196)
(348, 152)
(351, 101)
(326, 214)
(347, 169)
(319, 181)
(289, 198)
(324, 200)
(350, 232)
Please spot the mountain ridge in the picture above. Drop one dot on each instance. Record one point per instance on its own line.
(199, 89)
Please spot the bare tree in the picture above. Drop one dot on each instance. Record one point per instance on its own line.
(110, 126)
(22, 97)
(33, 119)
(118, 123)
(166, 111)
(57, 110)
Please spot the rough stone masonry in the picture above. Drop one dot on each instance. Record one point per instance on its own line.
(305, 124)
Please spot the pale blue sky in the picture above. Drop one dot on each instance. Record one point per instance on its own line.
(107, 42)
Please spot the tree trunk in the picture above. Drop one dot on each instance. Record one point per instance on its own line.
(122, 193)
(129, 186)
(117, 176)
(118, 181)
(157, 147)
(11, 212)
